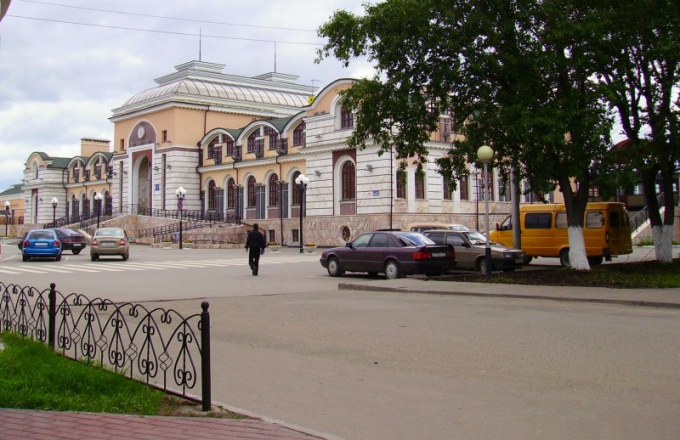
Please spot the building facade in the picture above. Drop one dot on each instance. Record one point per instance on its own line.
(236, 145)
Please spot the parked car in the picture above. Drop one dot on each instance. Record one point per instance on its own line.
(110, 241)
(70, 240)
(394, 253)
(471, 250)
(422, 227)
(41, 243)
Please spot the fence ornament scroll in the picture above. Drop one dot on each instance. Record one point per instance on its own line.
(154, 346)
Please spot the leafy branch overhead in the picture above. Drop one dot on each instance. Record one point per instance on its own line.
(524, 76)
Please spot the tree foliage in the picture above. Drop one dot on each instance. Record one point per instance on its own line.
(636, 52)
(516, 75)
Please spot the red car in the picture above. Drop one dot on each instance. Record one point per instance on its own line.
(394, 253)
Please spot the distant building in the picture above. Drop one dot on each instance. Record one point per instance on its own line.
(237, 145)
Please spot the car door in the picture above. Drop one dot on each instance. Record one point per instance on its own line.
(376, 252)
(353, 257)
(464, 257)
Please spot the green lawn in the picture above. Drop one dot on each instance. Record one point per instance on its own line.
(34, 377)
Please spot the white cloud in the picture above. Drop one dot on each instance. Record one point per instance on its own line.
(61, 81)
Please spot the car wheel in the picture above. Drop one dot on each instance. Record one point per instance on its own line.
(481, 266)
(334, 268)
(594, 261)
(76, 251)
(58, 257)
(528, 260)
(125, 257)
(94, 257)
(24, 257)
(564, 258)
(392, 270)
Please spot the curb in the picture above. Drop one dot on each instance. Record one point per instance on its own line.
(637, 303)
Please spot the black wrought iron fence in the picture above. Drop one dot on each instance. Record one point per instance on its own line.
(159, 346)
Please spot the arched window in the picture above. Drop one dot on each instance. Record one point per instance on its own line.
(401, 184)
(211, 147)
(299, 138)
(296, 189)
(231, 194)
(212, 196)
(273, 190)
(251, 192)
(346, 118)
(349, 191)
(420, 185)
(251, 141)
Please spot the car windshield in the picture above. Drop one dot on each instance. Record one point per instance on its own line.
(475, 237)
(414, 239)
(109, 232)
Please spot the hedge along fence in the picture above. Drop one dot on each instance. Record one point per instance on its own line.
(159, 347)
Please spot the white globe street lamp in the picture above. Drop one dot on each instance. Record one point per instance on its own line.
(302, 182)
(98, 200)
(55, 202)
(180, 193)
(485, 155)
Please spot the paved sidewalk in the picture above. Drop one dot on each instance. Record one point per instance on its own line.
(53, 425)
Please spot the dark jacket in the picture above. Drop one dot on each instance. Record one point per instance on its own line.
(255, 240)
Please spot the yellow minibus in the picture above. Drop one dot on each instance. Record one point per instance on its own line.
(606, 231)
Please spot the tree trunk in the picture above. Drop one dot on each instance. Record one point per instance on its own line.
(663, 243)
(577, 249)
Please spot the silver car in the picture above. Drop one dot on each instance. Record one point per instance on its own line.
(470, 249)
(110, 241)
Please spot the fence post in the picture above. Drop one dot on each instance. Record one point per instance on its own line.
(205, 358)
(51, 322)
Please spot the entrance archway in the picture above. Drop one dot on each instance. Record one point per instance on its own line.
(141, 188)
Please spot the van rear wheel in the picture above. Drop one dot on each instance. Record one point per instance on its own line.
(594, 261)
(564, 258)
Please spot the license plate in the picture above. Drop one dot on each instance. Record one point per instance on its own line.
(438, 254)
(41, 245)
(108, 244)
(78, 245)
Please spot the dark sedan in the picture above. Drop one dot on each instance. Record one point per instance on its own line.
(471, 250)
(394, 253)
(70, 240)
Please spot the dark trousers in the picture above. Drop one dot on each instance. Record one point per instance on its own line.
(254, 258)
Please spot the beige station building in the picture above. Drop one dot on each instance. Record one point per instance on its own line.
(237, 145)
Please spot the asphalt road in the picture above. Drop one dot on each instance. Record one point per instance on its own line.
(378, 365)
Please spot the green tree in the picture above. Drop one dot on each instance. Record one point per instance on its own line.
(636, 54)
(515, 74)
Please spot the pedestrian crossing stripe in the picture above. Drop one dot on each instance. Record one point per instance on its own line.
(120, 266)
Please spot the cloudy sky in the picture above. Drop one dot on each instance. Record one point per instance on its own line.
(65, 64)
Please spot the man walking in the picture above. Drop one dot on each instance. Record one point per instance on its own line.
(254, 245)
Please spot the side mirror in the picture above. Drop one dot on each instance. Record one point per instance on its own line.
(349, 245)
(498, 226)
(467, 245)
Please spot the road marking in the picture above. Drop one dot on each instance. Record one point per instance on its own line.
(120, 266)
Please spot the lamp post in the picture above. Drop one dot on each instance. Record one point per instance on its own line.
(180, 193)
(302, 182)
(55, 202)
(485, 154)
(7, 218)
(7, 204)
(98, 200)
